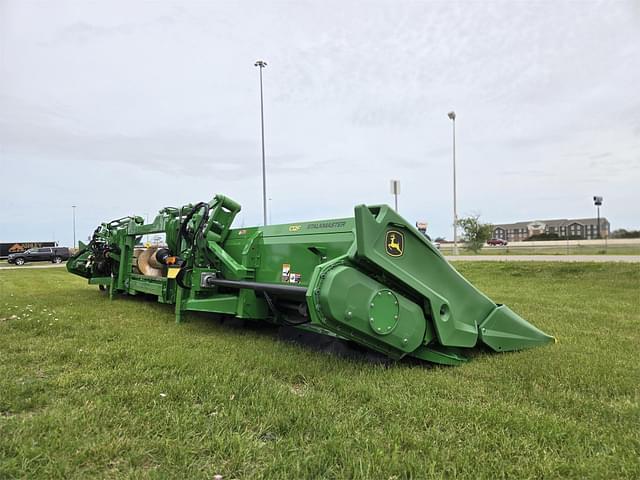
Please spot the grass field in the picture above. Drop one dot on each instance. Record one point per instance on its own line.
(93, 388)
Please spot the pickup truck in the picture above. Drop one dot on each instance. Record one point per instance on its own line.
(43, 254)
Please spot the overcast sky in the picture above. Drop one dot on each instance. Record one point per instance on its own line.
(124, 108)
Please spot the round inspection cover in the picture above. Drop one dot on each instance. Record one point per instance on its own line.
(383, 312)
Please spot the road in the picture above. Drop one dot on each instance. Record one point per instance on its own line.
(6, 266)
(546, 258)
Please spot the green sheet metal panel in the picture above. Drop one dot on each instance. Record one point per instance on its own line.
(455, 305)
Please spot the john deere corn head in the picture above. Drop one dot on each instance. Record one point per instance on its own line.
(372, 279)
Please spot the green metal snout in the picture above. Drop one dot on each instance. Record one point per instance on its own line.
(504, 331)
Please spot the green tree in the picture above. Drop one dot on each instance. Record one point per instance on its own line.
(622, 233)
(475, 233)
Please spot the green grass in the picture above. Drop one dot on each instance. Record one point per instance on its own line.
(93, 388)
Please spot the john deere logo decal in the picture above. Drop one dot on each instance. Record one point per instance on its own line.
(394, 243)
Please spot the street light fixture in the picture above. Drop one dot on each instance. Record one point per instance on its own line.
(452, 116)
(262, 64)
(597, 201)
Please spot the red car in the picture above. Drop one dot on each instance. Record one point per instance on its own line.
(496, 242)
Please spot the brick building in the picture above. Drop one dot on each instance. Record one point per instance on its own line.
(582, 228)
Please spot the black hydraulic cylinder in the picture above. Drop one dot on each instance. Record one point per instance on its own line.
(275, 289)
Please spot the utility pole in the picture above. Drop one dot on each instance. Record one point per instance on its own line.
(74, 225)
(262, 64)
(147, 243)
(395, 190)
(452, 116)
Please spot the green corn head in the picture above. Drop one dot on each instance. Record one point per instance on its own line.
(372, 279)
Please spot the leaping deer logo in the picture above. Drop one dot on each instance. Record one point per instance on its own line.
(394, 243)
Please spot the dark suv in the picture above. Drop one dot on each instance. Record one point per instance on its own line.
(43, 254)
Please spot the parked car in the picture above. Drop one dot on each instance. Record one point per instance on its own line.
(496, 242)
(44, 254)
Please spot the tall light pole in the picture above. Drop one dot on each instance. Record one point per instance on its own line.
(597, 201)
(452, 116)
(261, 64)
(395, 190)
(146, 215)
(74, 225)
